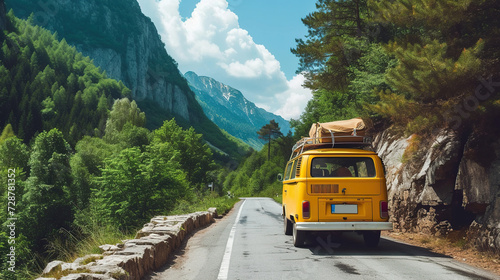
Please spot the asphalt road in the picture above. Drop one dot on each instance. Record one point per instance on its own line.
(249, 244)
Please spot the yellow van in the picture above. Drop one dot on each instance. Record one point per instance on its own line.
(334, 189)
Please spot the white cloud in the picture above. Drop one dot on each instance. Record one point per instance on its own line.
(295, 98)
(211, 43)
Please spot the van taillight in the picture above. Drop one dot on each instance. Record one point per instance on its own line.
(306, 213)
(384, 210)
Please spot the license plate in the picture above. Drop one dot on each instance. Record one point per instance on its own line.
(344, 209)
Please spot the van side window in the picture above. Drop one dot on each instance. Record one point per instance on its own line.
(288, 169)
(293, 169)
(342, 167)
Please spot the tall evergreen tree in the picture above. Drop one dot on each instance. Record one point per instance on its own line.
(7, 133)
(268, 132)
(325, 55)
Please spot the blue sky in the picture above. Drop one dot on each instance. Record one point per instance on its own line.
(242, 43)
(274, 23)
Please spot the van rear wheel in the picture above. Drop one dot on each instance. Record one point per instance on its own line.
(288, 226)
(299, 236)
(371, 238)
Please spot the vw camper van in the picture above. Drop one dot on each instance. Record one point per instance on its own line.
(332, 184)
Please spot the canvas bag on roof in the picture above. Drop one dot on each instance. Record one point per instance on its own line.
(339, 128)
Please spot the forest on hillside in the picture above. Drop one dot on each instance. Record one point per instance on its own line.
(46, 83)
(83, 168)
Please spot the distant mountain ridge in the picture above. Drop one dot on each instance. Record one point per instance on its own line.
(230, 110)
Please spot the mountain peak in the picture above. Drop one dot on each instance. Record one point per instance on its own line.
(231, 111)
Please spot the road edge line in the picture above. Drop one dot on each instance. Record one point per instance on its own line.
(224, 267)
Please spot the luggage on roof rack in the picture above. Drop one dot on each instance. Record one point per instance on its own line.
(345, 133)
(338, 131)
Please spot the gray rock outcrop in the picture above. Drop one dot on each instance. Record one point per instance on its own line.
(451, 182)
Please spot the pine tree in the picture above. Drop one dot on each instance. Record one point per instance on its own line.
(268, 132)
(7, 133)
(429, 76)
(441, 48)
(325, 56)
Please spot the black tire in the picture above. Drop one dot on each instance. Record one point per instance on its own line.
(299, 236)
(288, 226)
(371, 238)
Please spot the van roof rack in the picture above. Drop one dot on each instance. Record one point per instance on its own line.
(332, 141)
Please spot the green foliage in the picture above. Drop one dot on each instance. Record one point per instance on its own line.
(432, 14)
(134, 186)
(324, 56)
(195, 157)
(13, 154)
(441, 48)
(343, 61)
(195, 203)
(123, 112)
(367, 75)
(46, 201)
(69, 245)
(226, 147)
(268, 132)
(86, 165)
(258, 176)
(412, 62)
(7, 133)
(45, 84)
(426, 75)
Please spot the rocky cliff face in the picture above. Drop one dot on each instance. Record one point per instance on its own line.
(451, 182)
(121, 40)
(231, 111)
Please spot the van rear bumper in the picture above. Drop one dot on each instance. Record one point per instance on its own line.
(347, 226)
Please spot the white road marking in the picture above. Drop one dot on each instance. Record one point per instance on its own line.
(224, 267)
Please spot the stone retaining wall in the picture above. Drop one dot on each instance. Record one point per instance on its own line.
(135, 258)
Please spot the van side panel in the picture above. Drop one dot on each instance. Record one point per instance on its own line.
(294, 191)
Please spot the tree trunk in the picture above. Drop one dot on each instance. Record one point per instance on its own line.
(269, 149)
(358, 20)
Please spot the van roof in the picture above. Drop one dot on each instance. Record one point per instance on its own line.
(338, 151)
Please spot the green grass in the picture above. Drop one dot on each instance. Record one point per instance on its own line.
(69, 246)
(274, 191)
(222, 203)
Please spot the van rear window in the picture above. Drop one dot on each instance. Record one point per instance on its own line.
(342, 167)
